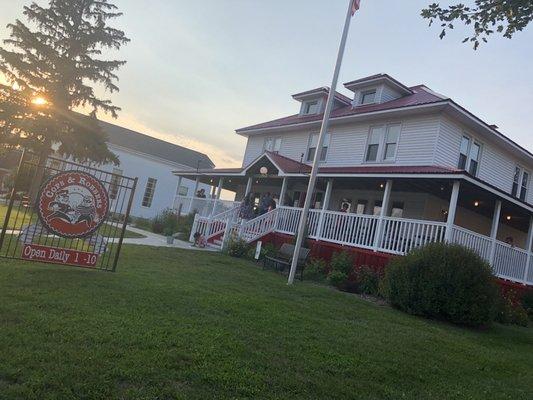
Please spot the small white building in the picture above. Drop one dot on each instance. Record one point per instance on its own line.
(152, 161)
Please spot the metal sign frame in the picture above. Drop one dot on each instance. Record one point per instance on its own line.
(24, 236)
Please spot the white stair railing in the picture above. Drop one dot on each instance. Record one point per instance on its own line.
(215, 225)
(256, 228)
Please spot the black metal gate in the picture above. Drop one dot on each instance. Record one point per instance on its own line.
(27, 235)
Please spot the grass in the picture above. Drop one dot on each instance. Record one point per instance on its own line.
(177, 324)
(22, 219)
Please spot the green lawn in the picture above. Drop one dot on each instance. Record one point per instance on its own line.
(176, 324)
(24, 218)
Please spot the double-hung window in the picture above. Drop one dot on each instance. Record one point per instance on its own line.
(149, 192)
(368, 97)
(272, 144)
(311, 107)
(520, 183)
(469, 155)
(383, 143)
(313, 141)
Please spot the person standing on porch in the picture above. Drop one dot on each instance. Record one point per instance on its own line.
(247, 208)
(265, 203)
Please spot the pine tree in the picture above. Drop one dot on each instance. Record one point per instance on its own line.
(51, 65)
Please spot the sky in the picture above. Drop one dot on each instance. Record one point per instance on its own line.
(198, 70)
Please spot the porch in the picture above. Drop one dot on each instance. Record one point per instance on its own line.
(384, 209)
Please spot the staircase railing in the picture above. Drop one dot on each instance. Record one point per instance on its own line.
(215, 225)
(255, 228)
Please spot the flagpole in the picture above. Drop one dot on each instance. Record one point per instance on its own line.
(324, 129)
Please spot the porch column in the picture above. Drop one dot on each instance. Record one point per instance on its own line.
(217, 195)
(325, 206)
(177, 194)
(494, 230)
(196, 184)
(248, 186)
(452, 210)
(528, 248)
(283, 191)
(382, 214)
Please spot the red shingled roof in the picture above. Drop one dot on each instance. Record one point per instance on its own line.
(288, 165)
(419, 97)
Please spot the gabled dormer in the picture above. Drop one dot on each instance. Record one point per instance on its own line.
(314, 101)
(376, 89)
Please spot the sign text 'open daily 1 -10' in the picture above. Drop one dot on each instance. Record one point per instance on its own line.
(34, 252)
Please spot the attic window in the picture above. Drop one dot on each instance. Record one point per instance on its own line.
(368, 97)
(311, 107)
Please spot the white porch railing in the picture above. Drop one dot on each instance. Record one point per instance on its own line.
(397, 235)
(203, 206)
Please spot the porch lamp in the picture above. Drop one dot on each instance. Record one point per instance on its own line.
(508, 218)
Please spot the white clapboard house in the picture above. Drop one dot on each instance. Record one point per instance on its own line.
(410, 165)
(152, 161)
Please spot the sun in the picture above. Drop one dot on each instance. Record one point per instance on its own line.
(39, 101)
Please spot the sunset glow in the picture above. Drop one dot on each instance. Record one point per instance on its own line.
(39, 101)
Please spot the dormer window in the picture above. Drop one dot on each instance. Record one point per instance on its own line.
(368, 97)
(311, 107)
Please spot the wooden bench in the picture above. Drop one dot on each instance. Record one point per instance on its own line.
(283, 259)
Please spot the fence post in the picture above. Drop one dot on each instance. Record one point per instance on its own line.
(193, 229)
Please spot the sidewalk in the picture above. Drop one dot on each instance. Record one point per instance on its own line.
(155, 240)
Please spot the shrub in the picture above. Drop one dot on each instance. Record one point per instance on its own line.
(237, 247)
(368, 280)
(342, 262)
(442, 281)
(527, 302)
(165, 221)
(143, 223)
(509, 311)
(315, 270)
(338, 279)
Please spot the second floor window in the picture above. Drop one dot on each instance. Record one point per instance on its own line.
(383, 143)
(313, 141)
(272, 144)
(149, 192)
(469, 155)
(520, 183)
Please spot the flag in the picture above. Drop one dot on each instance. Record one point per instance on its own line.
(355, 6)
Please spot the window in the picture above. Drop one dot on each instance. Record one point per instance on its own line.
(116, 181)
(149, 192)
(311, 107)
(183, 191)
(272, 144)
(313, 141)
(475, 149)
(368, 97)
(469, 155)
(520, 183)
(393, 132)
(383, 143)
(523, 189)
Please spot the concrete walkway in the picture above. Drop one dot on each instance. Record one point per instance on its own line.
(155, 240)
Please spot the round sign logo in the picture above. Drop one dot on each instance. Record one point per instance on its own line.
(72, 204)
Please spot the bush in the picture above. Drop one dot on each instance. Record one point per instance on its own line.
(338, 279)
(165, 221)
(143, 223)
(342, 262)
(527, 302)
(237, 247)
(442, 281)
(368, 280)
(510, 312)
(315, 270)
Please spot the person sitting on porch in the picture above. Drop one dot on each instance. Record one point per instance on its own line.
(247, 208)
(510, 241)
(201, 194)
(199, 240)
(344, 208)
(265, 203)
(273, 204)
